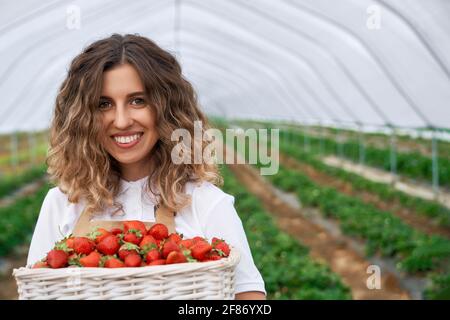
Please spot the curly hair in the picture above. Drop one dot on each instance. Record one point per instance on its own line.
(77, 161)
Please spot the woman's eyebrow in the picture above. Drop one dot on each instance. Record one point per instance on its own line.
(133, 94)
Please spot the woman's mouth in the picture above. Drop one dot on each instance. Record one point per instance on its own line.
(127, 141)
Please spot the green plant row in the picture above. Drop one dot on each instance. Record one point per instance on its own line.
(18, 220)
(287, 269)
(411, 164)
(24, 156)
(444, 146)
(430, 209)
(10, 183)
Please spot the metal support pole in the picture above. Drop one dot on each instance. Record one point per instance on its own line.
(305, 141)
(393, 155)
(435, 163)
(32, 147)
(14, 150)
(321, 145)
(340, 145)
(362, 149)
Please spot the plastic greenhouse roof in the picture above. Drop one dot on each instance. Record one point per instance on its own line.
(312, 61)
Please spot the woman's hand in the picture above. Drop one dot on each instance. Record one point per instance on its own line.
(250, 295)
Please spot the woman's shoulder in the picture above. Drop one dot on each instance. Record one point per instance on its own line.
(205, 190)
(56, 198)
(206, 195)
(55, 195)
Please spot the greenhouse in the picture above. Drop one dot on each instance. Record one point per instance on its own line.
(354, 96)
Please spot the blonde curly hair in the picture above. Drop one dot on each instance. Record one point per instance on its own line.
(77, 161)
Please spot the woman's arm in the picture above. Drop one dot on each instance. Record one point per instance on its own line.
(250, 295)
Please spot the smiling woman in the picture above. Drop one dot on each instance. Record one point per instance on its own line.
(110, 153)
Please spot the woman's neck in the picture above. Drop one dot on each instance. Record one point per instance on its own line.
(136, 171)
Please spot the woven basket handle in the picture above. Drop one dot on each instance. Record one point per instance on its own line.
(84, 224)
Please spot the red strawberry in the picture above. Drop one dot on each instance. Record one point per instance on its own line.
(134, 225)
(109, 245)
(40, 264)
(221, 247)
(148, 239)
(175, 257)
(159, 231)
(116, 231)
(127, 249)
(92, 260)
(213, 256)
(153, 255)
(98, 234)
(133, 260)
(83, 245)
(69, 243)
(200, 250)
(74, 259)
(198, 239)
(187, 243)
(168, 247)
(158, 262)
(112, 262)
(57, 259)
(176, 237)
(133, 237)
(65, 244)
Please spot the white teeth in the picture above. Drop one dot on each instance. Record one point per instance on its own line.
(127, 139)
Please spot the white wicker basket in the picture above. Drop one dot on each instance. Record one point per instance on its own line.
(198, 280)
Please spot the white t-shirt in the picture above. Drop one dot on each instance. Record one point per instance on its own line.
(211, 214)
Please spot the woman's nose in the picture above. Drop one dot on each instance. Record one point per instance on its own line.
(122, 119)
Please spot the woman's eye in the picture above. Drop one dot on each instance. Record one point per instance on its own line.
(138, 101)
(104, 105)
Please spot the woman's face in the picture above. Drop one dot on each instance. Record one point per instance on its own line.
(129, 132)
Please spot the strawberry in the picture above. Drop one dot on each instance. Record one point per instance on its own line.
(127, 249)
(112, 262)
(221, 247)
(74, 259)
(133, 236)
(152, 255)
(175, 257)
(65, 244)
(98, 234)
(158, 262)
(176, 237)
(200, 250)
(109, 245)
(146, 240)
(69, 242)
(116, 231)
(158, 231)
(187, 243)
(213, 256)
(57, 258)
(133, 260)
(168, 247)
(83, 245)
(40, 264)
(134, 225)
(198, 239)
(92, 260)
